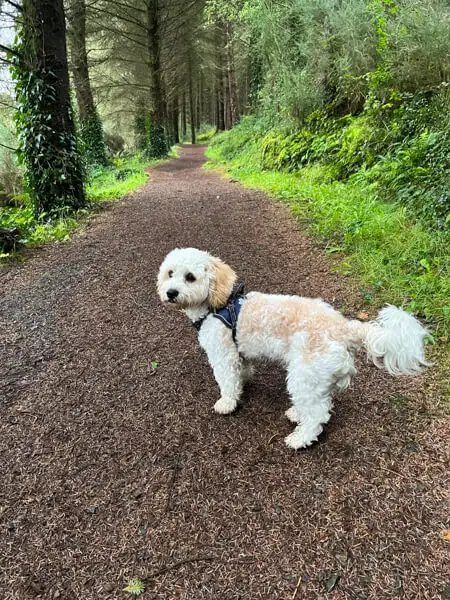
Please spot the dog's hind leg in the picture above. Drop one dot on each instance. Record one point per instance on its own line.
(312, 404)
(309, 385)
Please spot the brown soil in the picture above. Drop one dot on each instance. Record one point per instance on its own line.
(112, 469)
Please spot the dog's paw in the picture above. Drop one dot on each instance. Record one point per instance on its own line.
(291, 414)
(225, 406)
(302, 438)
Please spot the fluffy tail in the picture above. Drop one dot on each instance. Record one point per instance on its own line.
(395, 341)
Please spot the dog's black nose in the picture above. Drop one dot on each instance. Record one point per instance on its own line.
(172, 294)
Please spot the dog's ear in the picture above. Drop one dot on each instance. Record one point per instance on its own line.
(222, 282)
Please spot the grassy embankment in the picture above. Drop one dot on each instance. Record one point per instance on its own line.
(394, 256)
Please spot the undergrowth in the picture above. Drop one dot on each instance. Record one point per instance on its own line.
(123, 176)
(105, 184)
(396, 258)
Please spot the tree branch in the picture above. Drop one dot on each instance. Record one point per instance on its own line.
(9, 50)
(8, 147)
(127, 19)
(16, 6)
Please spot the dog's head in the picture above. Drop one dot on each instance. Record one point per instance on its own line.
(189, 278)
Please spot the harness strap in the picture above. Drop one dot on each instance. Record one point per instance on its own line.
(230, 310)
(199, 323)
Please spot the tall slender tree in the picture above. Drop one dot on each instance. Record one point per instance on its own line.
(90, 123)
(157, 138)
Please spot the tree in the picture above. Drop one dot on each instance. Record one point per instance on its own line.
(45, 126)
(157, 146)
(90, 123)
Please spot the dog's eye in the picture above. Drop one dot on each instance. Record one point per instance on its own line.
(190, 278)
(170, 273)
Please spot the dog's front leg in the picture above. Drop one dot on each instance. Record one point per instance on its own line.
(226, 363)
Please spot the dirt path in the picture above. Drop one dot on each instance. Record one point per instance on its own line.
(112, 469)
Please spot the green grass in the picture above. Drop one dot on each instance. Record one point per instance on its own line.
(105, 184)
(394, 259)
(205, 134)
(38, 231)
(117, 180)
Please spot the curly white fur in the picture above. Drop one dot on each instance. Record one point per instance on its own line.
(315, 343)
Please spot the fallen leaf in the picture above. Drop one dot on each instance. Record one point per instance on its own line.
(445, 535)
(363, 316)
(444, 338)
(331, 582)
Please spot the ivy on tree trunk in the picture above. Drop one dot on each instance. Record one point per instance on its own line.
(44, 121)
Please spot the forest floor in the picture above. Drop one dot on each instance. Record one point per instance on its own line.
(114, 465)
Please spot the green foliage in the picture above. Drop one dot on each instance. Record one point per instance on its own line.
(7, 136)
(396, 259)
(91, 132)
(338, 54)
(43, 229)
(107, 183)
(244, 140)
(157, 143)
(149, 137)
(123, 176)
(205, 133)
(416, 176)
(401, 149)
(53, 175)
(134, 587)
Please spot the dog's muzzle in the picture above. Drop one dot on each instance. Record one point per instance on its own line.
(172, 295)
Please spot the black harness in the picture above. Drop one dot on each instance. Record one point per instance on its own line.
(229, 314)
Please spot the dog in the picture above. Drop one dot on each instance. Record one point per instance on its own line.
(315, 343)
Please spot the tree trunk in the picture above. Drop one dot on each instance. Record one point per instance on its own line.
(175, 121)
(157, 139)
(234, 108)
(220, 109)
(198, 105)
(91, 126)
(169, 124)
(226, 87)
(54, 174)
(140, 126)
(220, 96)
(191, 105)
(212, 110)
(183, 117)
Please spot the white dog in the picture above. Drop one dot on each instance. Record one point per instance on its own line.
(316, 343)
